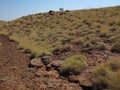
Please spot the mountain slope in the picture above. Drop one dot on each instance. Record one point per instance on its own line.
(48, 31)
(71, 37)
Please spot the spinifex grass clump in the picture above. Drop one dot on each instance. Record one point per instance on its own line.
(74, 64)
(116, 47)
(107, 75)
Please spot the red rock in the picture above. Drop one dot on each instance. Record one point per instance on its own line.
(73, 78)
(56, 63)
(41, 73)
(53, 73)
(36, 62)
(85, 82)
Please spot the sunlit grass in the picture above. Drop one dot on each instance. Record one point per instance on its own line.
(43, 32)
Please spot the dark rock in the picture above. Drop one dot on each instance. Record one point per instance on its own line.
(46, 59)
(73, 78)
(49, 67)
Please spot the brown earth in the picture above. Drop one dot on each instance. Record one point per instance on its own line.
(16, 75)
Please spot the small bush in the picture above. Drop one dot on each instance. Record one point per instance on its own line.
(87, 45)
(57, 49)
(116, 47)
(104, 34)
(115, 38)
(114, 65)
(66, 48)
(94, 40)
(101, 46)
(74, 64)
(100, 77)
(114, 83)
(79, 41)
(66, 40)
(98, 46)
(107, 75)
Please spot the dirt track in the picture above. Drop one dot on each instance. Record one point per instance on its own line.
(16, 75)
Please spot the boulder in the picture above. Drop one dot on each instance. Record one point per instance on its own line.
(73, 78)
(36, 62)
(46, 59)
(85, 82)
(56, 63)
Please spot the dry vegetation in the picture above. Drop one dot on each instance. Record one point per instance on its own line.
(59, 32)
(107, 75)
(44, 32)
(74, 64)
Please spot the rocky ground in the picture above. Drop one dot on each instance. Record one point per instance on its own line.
(16, 72)
(19, 72)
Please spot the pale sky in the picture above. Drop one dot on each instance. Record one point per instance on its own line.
(12, 9)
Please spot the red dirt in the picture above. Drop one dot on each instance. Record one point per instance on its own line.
(16, 75)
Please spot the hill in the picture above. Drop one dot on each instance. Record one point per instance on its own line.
(94, 33)
(44, 32)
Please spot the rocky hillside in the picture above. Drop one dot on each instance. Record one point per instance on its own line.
(71, 42)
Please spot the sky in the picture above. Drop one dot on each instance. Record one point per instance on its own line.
(12, 9)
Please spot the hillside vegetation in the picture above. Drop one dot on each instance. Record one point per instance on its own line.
(81, 39)
(43, 33)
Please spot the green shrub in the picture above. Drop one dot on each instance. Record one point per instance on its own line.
(78, 41)
(94, 39)
(87, 45)
(107, 75)
(104, 34)
(66, 40)
(101, 46)
(66, 48)
(116, 47)
(100, 77)
(114, 65)
(114, 83)
(74, 64)
(115, 38)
